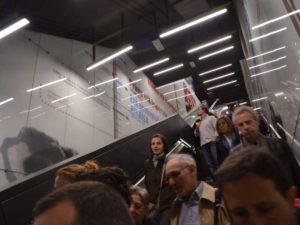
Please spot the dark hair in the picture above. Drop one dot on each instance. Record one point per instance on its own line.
(205, 109)
(113, 176)
(256, 161)
(94, 202)
(229, 123)
(163, 139)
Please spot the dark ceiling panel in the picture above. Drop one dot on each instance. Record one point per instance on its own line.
(114, 23)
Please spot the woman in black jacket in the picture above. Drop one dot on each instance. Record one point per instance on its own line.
(228, 138)
(160, 193)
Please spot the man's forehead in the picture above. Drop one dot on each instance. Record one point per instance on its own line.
(173, 164)
(245, 115)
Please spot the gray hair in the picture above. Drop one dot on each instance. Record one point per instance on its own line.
(142, 192)
(183, 159)
(242, 109)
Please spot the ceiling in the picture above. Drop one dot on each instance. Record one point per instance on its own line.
(115, 23)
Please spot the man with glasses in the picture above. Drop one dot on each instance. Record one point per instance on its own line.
(195, 202)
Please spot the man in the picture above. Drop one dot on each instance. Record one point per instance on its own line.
(206, 129)
(195, 202)
(247, 122)
(256, 189)
(82, 203)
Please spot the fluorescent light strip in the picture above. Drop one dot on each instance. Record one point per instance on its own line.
(243, 103)
(72, 103)
(192, 23)
(268, 34)
(262, 64)
(30, 110)
(168, 69)
(151, 65)
(131, 96)
(216, 69)
(166, 85)
(209, 44)
(92, 96)
(259, 99)
(133, 82)
(217, 78)
(45, 85)
(279, 94)
(122, 51)
(38, 115)
(216, 52)
(258, 108)
(267, 53)
(12, 28)
(6, 101)
(221, 85)
(269, 71)
(174, 91)
(172, 99)
(276, 19)
(68, 96)
(104, 82)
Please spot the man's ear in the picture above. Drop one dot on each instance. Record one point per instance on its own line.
(292, 194)
(192, 169)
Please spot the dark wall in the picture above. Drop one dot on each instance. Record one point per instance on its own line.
(129, 153)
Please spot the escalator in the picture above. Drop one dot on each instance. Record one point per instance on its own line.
(129, 153)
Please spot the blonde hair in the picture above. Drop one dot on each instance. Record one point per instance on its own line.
(69, 172)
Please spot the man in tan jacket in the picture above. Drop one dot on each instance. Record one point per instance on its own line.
(195, 202)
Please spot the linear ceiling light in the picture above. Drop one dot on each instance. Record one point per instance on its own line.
(172, 99)
(168, 69)
(6, 101)
(276, 19)
(170, 92)
(30, 110)
(93, 96)
(267, 53)
(269, 71)
(243, 103)
(127, 84)
(216, 69)
(60, 107)
(279, 94)
(258, 108)
(268, 34)
(217, 78)
(12, 28)
(104, 82)
(68, 96)
(216, 52)
(116, 54)
(151, 65)
(221, 85)
(38, 115)
(209, 44)
(259, 99)
(193, 23)
(44, 85)
(271, 61)
(166, 85)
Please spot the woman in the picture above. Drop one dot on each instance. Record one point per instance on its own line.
(67, 174)
(139, 206)
(160, 193)
(228, 138)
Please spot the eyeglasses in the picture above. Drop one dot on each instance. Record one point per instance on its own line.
(175, 174)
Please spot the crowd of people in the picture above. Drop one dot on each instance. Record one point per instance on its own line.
(256, 180)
